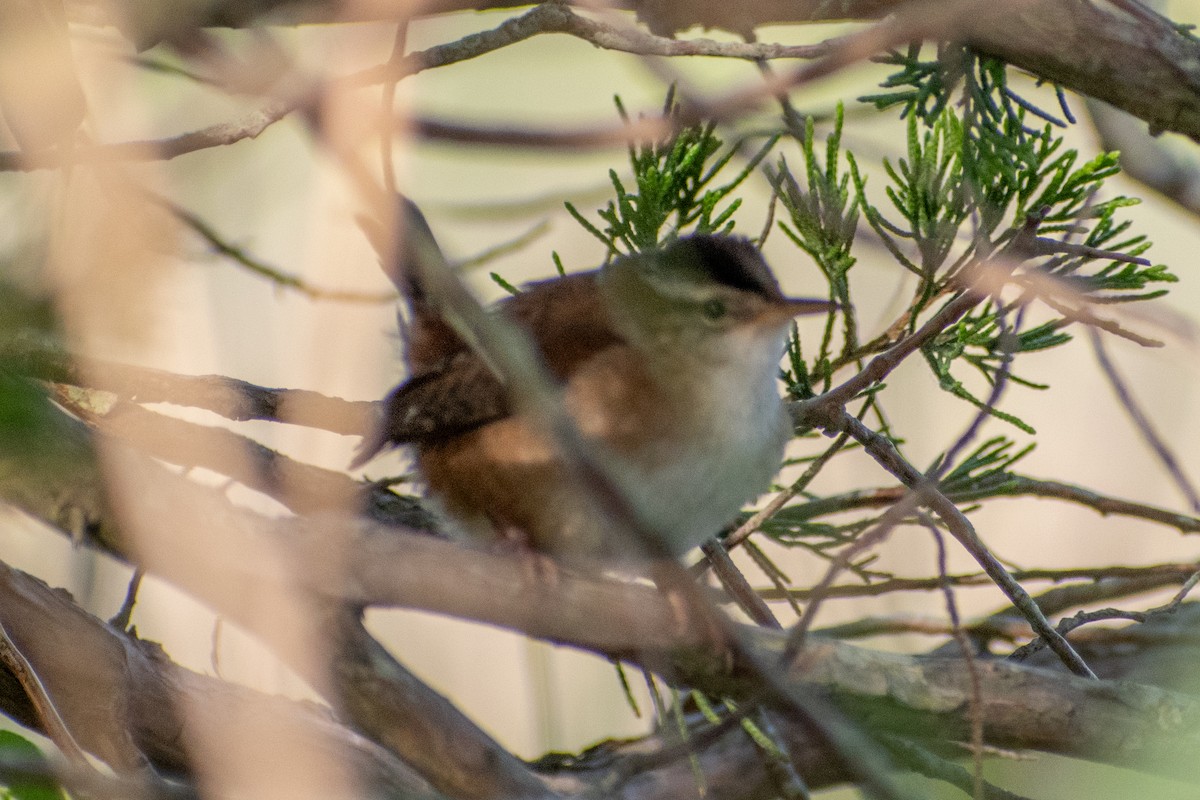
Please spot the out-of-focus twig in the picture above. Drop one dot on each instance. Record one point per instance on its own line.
(1172, 171)
(276, 275)
(966, 650)
(1013, 486)
(1145, 427)
(219, 135)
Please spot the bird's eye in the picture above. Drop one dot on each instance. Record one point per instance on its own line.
(713, 309)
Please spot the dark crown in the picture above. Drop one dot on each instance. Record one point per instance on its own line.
(730, 260)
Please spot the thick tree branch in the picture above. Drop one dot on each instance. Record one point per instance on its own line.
(116, 691)
(1093, 47)
(1021, 708)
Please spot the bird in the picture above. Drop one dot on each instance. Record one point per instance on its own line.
(668, 363)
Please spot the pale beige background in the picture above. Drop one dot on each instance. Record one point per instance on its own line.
(293, 210)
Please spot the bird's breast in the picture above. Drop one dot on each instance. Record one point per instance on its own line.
(687, 452)
(694, 448)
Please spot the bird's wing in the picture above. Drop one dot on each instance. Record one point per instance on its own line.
(457, 392)
(568, 319)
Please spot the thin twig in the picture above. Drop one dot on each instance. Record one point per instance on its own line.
(1086, 317)
(387, 103)
(882, 365)
(882, 450)
(512, 245)
(1012, 486)
(778, 578)
(124, 614)
(259, 267)
(975, 707)
(1007, 629)
(756, 521)
(219, 135)
(1096, 587)
(1144, 426)
(873, 536)
(1179, 596)
(737, 586)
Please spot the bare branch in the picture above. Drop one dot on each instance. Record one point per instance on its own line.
(219, 135)
(231, 398)
(259, 267)
(1013, 486)
(1144, 426)
(959, 526)
(100, 678)
(304, 488)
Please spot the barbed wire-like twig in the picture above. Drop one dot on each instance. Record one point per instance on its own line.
(556, 18)
(1086, 617)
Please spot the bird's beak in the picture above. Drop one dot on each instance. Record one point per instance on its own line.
(788, 307)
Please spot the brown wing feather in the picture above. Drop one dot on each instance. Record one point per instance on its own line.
(452, 391)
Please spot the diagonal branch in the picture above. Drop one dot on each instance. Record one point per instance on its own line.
(838, 421)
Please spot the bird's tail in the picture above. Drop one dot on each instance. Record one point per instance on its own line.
(400, 243)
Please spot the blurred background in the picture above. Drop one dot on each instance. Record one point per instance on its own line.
(179, 306)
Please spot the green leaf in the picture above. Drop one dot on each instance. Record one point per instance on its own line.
(17, 749)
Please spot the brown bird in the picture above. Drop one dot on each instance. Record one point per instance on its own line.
(669, 365)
